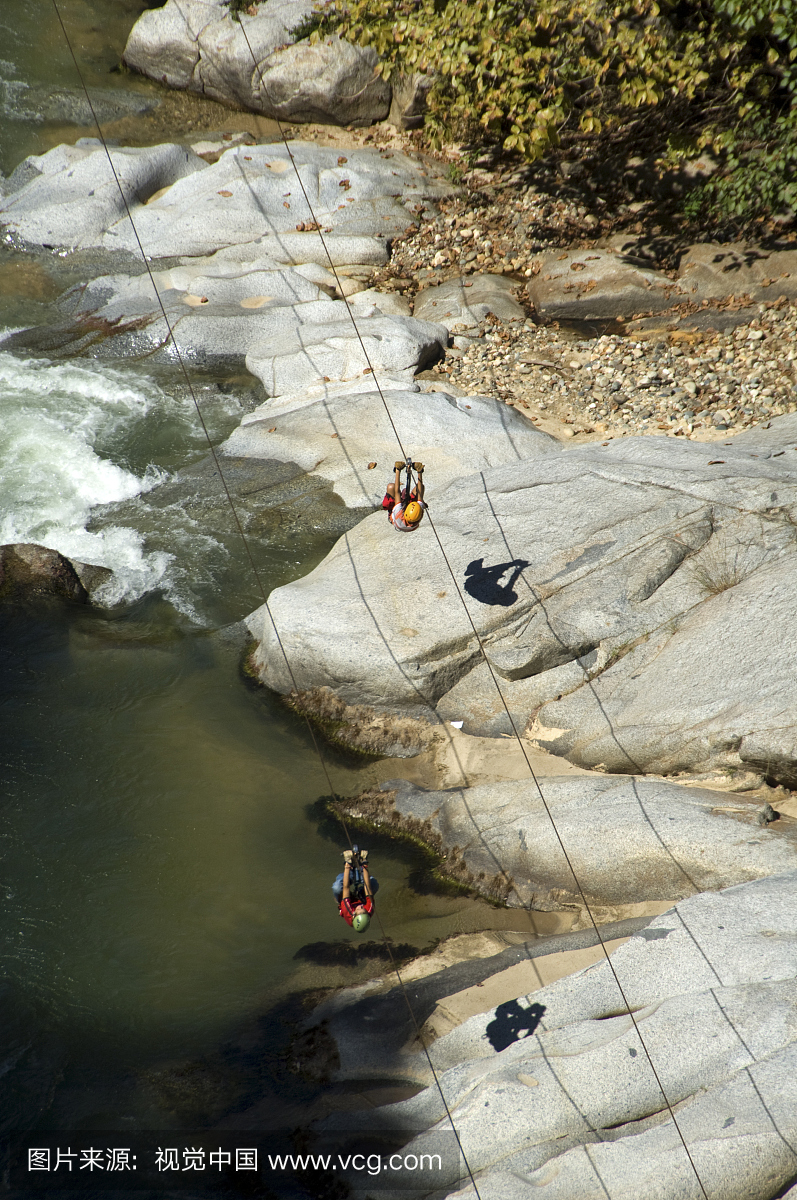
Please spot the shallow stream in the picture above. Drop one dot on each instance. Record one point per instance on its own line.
(160, 869)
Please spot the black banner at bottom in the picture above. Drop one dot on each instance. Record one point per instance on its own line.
(232, 1161)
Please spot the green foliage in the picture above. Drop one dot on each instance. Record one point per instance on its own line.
(522, 74)
(237, 7)
(308, 26)
(525, 76)
(303, 30)
(759, 172)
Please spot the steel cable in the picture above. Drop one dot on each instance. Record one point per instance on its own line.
(455, 581)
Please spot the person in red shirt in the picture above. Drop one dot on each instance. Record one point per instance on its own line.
(356, 895)
(405, 508)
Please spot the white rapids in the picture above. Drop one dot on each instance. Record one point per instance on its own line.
(66, 432)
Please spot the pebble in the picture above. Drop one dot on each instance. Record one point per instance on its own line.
(687, 384)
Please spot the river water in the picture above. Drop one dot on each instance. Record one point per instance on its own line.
(160, 869)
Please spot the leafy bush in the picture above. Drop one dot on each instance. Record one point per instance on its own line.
(236, 7)
(303, 30)
(526, 76)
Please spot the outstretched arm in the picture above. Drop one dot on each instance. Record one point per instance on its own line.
(366, 880)
(346, 874)
(419, 489)
(394, 488)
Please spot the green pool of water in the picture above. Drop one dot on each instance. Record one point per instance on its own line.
(159, 868)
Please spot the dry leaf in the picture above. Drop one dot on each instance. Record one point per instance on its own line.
(371, 466)
(715, 462)
(225, 194)
(342, 159)
(333, 435)
(273, 429)
(368, 371)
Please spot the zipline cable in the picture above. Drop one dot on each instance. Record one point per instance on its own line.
(253, 565)
(477, 636)
(449, 568)
(171, 338)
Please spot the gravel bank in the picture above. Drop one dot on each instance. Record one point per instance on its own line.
(698, 385)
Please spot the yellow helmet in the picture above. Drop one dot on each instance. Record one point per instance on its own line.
(413, 512)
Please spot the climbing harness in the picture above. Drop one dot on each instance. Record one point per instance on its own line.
(406, 512)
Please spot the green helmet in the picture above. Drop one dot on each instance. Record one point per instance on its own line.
(361, 922)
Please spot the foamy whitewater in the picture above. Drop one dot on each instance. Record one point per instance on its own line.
(74, 437)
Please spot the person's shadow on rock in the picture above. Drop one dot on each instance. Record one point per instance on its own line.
(510, 1021)
(482, 582)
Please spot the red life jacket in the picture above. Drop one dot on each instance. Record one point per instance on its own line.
(388, 501)
(347, 908)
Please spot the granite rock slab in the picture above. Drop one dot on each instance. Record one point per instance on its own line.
(710, 271)
(255, 61)
(72, 199)
(462, 304)
(335, 432)
(335, 350)
(627, 839)
(671, 563)
(564, 1079)
(72, 196)
(598, 285)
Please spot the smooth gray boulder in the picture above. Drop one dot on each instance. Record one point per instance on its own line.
(254, 191)
(598, 284)
(332, 81)
(283, 325)
(251, 193)
(657, 555)
(710, 271)
(553, 1094)
(28, 571)
(253, 63)
(715, 693)
(337, 350)
(628, 839)
(296, 249)
(163, 41)
(72, 196)
(408, 99)
(335, 432)
(462, 304)
(212, 315)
